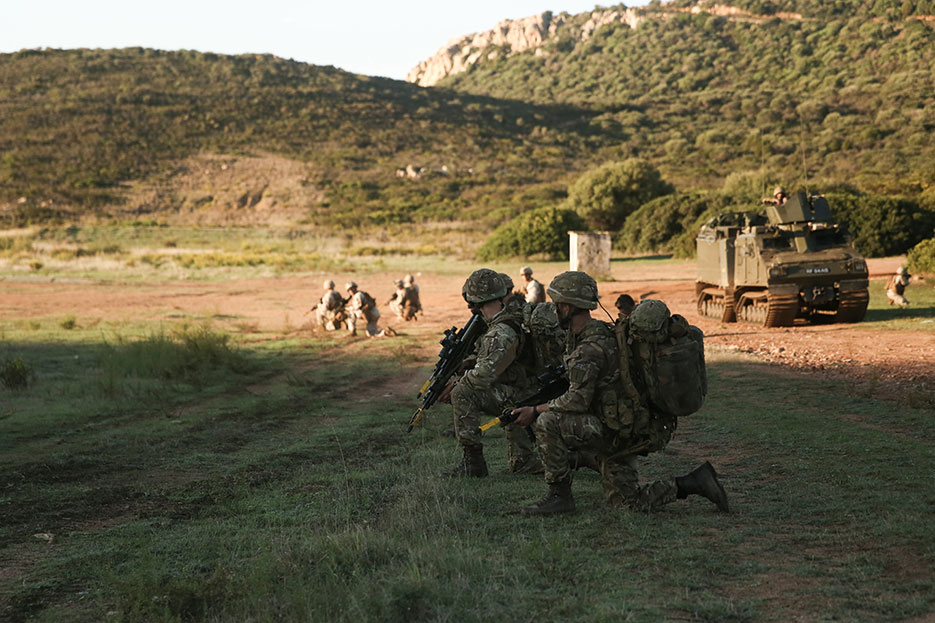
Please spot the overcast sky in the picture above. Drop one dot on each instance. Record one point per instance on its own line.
(379, 38)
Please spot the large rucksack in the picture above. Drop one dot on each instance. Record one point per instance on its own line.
(662, 377)
(542, 340)
(667, 356)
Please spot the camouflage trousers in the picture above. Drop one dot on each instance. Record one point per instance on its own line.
(560, 436)
(472, 407)
(330, 319)
(358, 317)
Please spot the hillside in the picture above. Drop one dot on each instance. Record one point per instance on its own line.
(211, 138)
(702, 88)
(828, 94)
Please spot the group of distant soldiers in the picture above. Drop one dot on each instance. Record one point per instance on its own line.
(571, 431)
(335, 312)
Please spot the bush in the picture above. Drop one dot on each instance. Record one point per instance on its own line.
(186, 354)
(542, 231)
(881, 225)
(921, 258)
(654, 227)
(607, 195)
(16, 374)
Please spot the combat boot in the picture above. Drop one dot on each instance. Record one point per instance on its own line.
(702, 481)
(557, 500)
(472, 464)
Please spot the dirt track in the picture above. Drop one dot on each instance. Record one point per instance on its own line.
(897, 358)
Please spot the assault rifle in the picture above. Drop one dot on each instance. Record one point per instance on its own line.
(552, 384)
(456, 346)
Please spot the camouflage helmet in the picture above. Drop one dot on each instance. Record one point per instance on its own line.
(507, 281)
(484, 285)
(650, 318)
(779, 190)
(328, 285)
(350, 285)
(575, 288)
(408, 279)
(525, 270)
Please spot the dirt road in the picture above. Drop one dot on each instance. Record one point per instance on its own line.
(889, 361)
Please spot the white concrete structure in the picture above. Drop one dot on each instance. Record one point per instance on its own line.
(590, 252)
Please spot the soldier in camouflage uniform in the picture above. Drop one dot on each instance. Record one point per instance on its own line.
(532, 290)
(330, 309)
(497, 379)
(361, 308)
(575, 421)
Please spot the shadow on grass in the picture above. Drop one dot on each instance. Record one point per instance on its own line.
(638, 258)
(899, 313)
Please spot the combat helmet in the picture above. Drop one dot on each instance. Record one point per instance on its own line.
(650, 320)
(399, 283)
(484, 285)
(507, 281)
(901, 270)
(525, 270)
(328, 285)
(350, 285)
(779, 190)
(408, 279)
(575, 288)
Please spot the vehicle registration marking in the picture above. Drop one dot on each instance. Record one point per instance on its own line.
(813, 271)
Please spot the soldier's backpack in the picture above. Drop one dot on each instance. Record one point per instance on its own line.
(666, 357)
(542, 340)
(366, 301)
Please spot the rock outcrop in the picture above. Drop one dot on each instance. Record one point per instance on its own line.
(510, 37)
(533, 33)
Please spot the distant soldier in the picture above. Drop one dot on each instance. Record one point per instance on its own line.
(779, 196)
(361, 308)
(896, 286)
(411, 302)
(624, 305)
(330, 310)
(532, 290)
(396, 299)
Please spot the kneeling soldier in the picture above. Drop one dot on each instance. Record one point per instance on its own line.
(574, 422)
(497, 379)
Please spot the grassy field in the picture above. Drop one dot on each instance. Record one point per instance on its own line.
(187, 474)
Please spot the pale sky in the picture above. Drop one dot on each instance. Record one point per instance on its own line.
(367, 36)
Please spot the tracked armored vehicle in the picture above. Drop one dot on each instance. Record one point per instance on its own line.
(771, 267)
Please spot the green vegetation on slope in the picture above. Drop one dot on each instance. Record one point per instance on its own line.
(75, 125)
(848, 97)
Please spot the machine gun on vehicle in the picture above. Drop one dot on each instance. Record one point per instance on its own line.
(456, 346)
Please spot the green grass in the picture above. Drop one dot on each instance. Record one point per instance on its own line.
(918, 316)
(283, 487)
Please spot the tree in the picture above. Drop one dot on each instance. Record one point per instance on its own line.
(542, 231)
(607, 195)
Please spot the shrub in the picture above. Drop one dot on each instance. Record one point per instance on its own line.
(654, 227)
(185, 354)
(542, 231)
(68, 323)
(881, 225)
(921, 258)
(16, 374)
(607, 195)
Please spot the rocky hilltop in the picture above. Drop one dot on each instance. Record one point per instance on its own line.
(511, 37)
